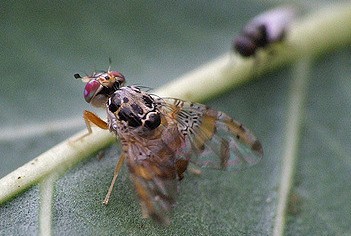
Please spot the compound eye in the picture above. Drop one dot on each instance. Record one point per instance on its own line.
(91, 88)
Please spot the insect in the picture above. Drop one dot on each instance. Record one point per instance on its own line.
(264, 30)
(160, 136)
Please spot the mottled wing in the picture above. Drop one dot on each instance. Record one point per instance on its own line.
(153, 171)
(212, 138)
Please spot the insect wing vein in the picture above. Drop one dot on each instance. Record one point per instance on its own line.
(213, 138)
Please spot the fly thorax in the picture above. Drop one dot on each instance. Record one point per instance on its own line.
(133, 110)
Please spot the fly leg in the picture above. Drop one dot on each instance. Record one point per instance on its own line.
(115, 175)
(194, 170)
(182, 166)
(91, 118)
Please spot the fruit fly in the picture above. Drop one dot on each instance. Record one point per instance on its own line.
(161, 136)
(264, 30)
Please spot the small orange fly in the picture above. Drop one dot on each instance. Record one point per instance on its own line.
(160, 136)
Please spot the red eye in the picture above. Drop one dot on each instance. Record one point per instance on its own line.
(91, 88)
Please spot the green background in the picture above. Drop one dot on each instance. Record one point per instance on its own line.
(44, 43)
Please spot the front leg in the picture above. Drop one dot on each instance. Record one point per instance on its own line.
(91, 118)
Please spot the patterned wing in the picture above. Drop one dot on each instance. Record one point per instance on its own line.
(153, 169)
(212, 138)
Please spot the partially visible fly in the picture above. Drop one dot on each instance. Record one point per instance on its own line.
(263, 30)
(160, 136)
